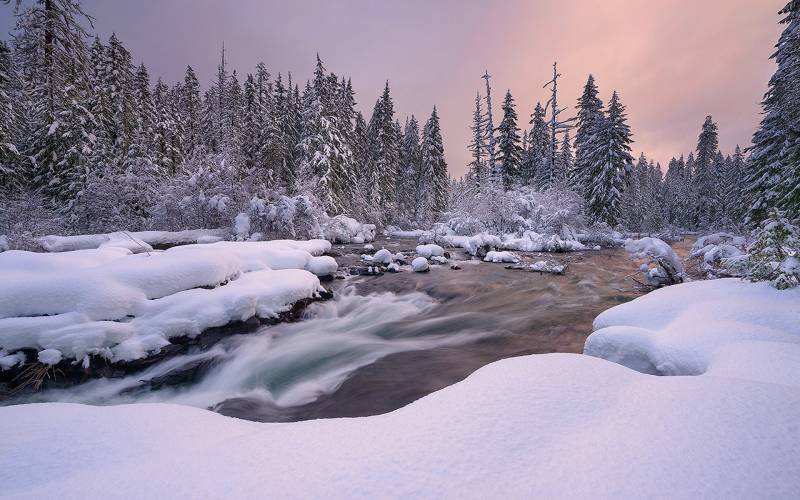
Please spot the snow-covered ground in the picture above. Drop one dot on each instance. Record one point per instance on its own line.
(555, 425)
(122, 306)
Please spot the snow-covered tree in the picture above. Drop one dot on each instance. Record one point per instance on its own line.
(411, 179)
(434, 165)
(510, 151)
(773, 179)
(609, 161)
(535, 168)
(590, 117)
(477, 147)
(10, 173)
(774, 255)
(705, 174)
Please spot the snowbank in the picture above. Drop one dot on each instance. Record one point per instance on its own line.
(429, 250)
(545, 426)
(396, 232)
(724, 327)
(501, 257)
(137, 241)
(343, 229)
(111, 303)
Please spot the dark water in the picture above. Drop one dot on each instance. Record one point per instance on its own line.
(385, 341)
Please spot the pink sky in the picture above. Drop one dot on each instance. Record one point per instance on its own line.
(673, 61)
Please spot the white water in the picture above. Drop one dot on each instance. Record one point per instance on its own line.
(290, 364)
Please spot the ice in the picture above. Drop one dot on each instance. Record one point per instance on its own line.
(420, 264)
(429, 250)
(121, 306)
(494, 256)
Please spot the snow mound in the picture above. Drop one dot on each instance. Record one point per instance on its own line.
(720, 254)
(501, 257)
(382, 256)
(420, 264)
(517, 428)
(429, 250)
(724, 327)
(136, 242)
(543, 266)
(111, 303)
(343, 229)
(662, 266)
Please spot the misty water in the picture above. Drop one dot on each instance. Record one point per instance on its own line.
(383, 341)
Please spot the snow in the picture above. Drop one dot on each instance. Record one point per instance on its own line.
(369, 246)
(50, 356)
(343, 229)
(4, 246)
(720, 252)
(494, 256)
(520, 427)
(138, 241)
(420, 264)
(517, 428)
(241, 227)
(667, 266)
(382, 256)
(396, 232)
(394, 267)
(324, 265)
(429, 250)
(704, 327)
(438, 259)
(124, 307)
(543, 266)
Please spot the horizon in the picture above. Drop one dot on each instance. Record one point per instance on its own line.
(449, 79)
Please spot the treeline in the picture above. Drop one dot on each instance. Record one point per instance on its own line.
(80, 123)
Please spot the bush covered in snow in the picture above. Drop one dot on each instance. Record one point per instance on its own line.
(661, 266)
(720, 254)
(774, 256)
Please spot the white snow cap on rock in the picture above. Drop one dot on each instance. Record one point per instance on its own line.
(420, 264)
(429, 250)
(494, 256)
(382, 256)
(123, 307)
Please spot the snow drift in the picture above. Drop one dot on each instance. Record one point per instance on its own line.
(111, 303)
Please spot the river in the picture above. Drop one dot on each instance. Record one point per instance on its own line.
(384, 341)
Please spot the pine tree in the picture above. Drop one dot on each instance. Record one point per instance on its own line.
(773, 179)
(493, 169)
(610, 162)
(10, 174)
(510, 151)
(774, 254)
(191, 111)
(434, 165)
(705, 174)
(145, 111)
(411, 174)
(590, 117)
(477, 147)
(537, 171)
(385, 153)
(54, 69)
(565, 166)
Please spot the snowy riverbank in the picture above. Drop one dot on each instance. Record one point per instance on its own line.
(556, 425)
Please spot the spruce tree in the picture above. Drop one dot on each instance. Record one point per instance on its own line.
(610, 161)
(773, 179)
(705, 174)
(510, 152)
(590, 117)
(191, 110)
(434, 166)
(537, 171)
(477, 147)
(411, 179)
(10, 173)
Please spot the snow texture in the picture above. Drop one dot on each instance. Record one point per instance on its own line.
(122, 306)
(382, 256)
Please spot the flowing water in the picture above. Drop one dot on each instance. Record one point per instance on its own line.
(383, 341)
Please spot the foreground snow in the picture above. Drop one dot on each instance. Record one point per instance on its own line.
(555, 425)
(724, 327)
(109, 302)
